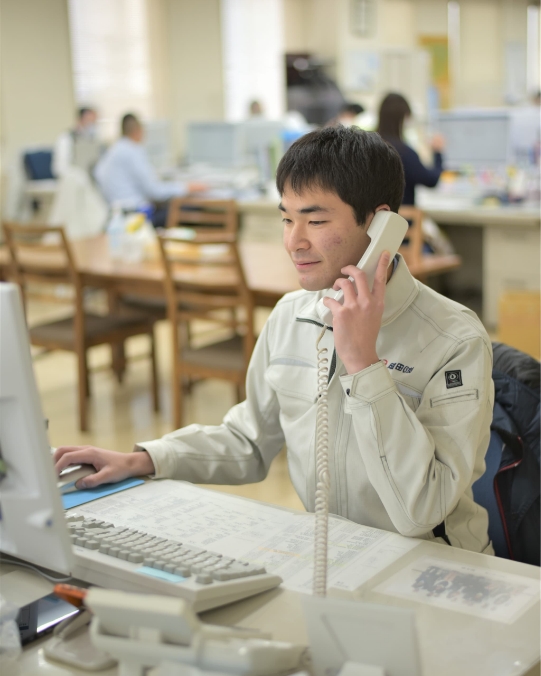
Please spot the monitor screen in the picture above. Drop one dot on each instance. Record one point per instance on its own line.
(32, 525)
(475, 138)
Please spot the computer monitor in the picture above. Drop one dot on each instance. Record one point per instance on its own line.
(32, 525)
(476, 138)
(215, 143)
(158, 144)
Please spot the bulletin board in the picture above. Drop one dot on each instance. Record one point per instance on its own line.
(438, 48)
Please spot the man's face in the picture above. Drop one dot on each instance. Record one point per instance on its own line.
(138, 133)
(89, 119)
(321, 235)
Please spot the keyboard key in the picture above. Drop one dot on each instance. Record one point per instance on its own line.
(182, 570)
(135, 557)
(204, 578)
(92, 544)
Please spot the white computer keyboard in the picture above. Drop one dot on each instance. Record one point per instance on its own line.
(130, 560)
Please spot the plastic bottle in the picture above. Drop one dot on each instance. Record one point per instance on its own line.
(115, 233)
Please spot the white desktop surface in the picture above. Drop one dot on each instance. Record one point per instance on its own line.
(452, 643)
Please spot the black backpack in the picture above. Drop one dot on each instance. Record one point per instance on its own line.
(510, 487)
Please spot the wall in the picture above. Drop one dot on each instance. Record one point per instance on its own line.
(194, 51)
(492, 40)
(253, 57)
(36, 89)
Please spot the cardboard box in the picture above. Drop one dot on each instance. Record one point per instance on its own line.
(519, 321)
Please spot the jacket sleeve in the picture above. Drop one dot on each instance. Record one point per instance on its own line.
(238, 451)
(421, 462)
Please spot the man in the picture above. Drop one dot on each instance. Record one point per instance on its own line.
(410, 390)
(126, 176)
(347, 115)
(78, 147)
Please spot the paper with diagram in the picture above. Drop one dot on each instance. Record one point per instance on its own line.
(491, 594)
(281, 540)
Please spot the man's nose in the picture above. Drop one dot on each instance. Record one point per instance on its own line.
(296, 238)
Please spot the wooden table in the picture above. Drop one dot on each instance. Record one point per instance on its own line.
(268, 269)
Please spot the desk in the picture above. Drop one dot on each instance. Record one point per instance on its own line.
(269, 271)
(509, 249)
(451, 643)
(508, 258)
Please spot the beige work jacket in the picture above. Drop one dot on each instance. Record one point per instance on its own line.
(408, 435)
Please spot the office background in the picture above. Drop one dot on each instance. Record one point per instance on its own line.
(177, 62)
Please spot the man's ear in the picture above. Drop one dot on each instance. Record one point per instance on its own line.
(382, 207)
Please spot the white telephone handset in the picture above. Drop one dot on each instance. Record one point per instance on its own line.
(387, 230)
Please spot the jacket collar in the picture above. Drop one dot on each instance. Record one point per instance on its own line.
(400, 292)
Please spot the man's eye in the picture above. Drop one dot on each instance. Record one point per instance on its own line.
(287, 221)
(317, 222)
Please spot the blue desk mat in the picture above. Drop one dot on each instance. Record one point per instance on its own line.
(81, 497)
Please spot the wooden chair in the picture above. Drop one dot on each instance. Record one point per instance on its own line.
(203, 215)
(197, 287)
(423, 265)
(35, 261)
(210, 218)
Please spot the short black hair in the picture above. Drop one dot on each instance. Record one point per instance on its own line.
(129, 123)
(352, 108)
(358, 166)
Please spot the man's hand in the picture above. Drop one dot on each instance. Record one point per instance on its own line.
(110, 466)
(357, 322)
(197, 186)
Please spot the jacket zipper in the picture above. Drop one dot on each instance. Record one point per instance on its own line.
(332, 367)
(512, 465)
(311, 321)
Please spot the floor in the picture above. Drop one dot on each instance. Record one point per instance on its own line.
(121, 414)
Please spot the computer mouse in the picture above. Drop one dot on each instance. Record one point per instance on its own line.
(73, 473)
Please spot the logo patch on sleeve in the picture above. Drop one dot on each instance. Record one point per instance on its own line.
(453, 379)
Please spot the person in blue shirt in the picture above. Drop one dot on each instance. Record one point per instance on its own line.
(394, 113)
(126, 176)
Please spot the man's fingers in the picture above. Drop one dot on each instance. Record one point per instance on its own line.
(360, 279)
(348, 289)
(83, 456)
(93, 480)
(380, 279)
(62, 450)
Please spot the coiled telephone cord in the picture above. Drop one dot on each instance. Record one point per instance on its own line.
(322, 469)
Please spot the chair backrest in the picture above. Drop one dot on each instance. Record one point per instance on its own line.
(203, 215)
(38, 165)
(42, 255)
(200, 278)
(413, 251)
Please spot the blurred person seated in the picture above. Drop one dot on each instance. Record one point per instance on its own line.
(126, 176)
(256, 109)
(394, 114)
(347, 115)
(77, 205)
(78, 147)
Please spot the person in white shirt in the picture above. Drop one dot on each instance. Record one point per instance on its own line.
(126, 176)
(78, 147)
